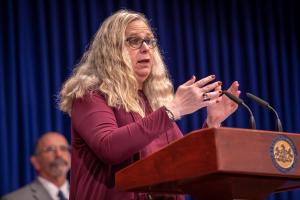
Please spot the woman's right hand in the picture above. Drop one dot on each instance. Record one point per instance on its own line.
(191, 96)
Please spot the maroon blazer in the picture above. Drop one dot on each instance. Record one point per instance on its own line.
(106, 139)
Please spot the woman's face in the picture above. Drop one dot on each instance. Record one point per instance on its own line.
(140, 43)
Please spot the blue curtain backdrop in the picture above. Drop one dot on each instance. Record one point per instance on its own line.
(255, 42)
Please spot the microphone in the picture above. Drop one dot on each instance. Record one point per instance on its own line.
(266, 105)
(241, 102)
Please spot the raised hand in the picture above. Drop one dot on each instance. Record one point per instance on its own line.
(191, 96)
(217, 113)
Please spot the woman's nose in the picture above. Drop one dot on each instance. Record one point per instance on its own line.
(144, 47)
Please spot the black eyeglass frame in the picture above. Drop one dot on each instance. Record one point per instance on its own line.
(151, 42)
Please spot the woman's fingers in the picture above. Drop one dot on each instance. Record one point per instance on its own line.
(218, 88)
(192, 96)
(215, 100)
(211, 95)
(212, 101)
(234, 88)
(211, 86)
(202, 82)
(190, 82)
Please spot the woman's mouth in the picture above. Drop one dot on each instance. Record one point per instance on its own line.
(144, 61)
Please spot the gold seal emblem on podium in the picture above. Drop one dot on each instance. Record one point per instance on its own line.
(283, 153)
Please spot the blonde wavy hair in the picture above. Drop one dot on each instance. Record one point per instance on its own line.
(106, 67)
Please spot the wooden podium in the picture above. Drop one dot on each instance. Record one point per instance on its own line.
(219, 164)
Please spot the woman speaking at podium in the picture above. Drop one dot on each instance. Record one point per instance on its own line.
(123, 107)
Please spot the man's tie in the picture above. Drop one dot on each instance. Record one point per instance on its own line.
(61, 195)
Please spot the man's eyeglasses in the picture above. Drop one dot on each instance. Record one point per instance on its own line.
(137, 42)
(53, 148)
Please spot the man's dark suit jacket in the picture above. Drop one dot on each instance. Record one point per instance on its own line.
(32, 191)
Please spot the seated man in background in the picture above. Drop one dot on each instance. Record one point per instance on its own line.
(51, 160)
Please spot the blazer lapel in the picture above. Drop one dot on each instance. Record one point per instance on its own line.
(39, 192)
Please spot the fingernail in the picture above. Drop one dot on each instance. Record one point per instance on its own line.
(213, 76)
(192, 77)
(219, 83)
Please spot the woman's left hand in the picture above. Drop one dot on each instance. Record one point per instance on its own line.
(217, 113)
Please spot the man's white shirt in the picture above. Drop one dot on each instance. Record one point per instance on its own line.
(53, 189)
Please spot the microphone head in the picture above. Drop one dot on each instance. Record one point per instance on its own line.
(266, 105)
(258, 100)
(234, 98)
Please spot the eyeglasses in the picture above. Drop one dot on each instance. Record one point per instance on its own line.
(53, 148)
(137, 42)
